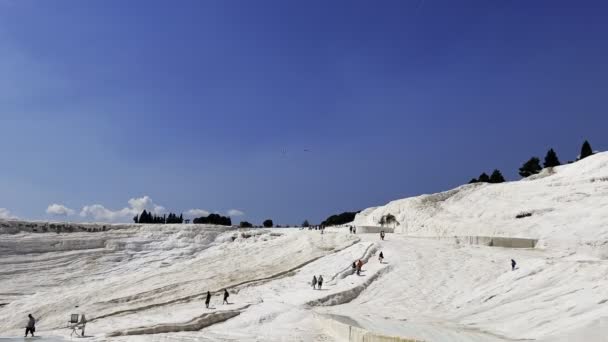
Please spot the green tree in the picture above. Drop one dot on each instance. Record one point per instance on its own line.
(473, 180)
(382, 221)
(245, 224)
(268, 223)
(305, 223)
(496, 177)
(551, 159)
(531, 167)
(586, 150)
(391, 219)
(483, 178)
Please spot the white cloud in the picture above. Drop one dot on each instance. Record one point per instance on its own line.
(5, 214)
(197, 212)
(136, 206)
(59, 210)
(235, 212)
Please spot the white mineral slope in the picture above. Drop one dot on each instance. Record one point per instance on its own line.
(440, 291)
(140, 276)
(569, 207)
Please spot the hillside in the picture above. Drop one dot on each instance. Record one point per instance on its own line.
(568, 207)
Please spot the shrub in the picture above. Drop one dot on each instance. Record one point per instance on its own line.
(522, 215)
(245, 224)
(586, 150)
(213, 219)
(268, 223)
(497, 177)
(531, 167)
(551, 159)
(483, 178)
(336, 220)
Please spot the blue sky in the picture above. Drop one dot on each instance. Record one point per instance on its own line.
(210, 105)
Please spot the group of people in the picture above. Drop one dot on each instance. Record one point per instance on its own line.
(317, 282)
(352, 229)
(208, 299)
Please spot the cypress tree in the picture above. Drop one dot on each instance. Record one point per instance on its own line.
(531, 167)
(473, 180)
(496, 177)
(586, 150)
(551, 159)
(483, 178)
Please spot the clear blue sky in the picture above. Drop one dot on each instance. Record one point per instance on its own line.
(211, 104)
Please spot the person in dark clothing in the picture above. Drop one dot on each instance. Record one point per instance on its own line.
(314, 282)
(320, 281)
(31, 325)
(513, 263)
(354, 265)
(382, 235)
(381, 257)
(208, 299)
(350, 229)
(226, 295)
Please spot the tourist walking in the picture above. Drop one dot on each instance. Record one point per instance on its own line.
(226, 295)
(381, 257)
(513, 263)
(208, 299)
(359, 266)
(31, 325)
(320, 281)
(314, 282)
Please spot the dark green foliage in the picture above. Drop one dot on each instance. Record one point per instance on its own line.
(483, 178)
(586, 150)
(496, 177)
(551, 159)
(268, 223)
(305, 223)
(473, 180)
(146, 217)
(531, 167)
(213, 219)
(335, 220)
(522, 215)
(388, 219)
(245, 224)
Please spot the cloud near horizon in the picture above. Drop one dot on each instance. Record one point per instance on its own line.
(5, 214)
(235, 212)
(59, 210)
(197, 212)
(136, 206)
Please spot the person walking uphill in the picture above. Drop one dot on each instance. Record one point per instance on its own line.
(359, 266)
(226, 295)
(314, 282)
(381, 257)
(31, 325)
(513, 263)
(320, 281)
(208, 299)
